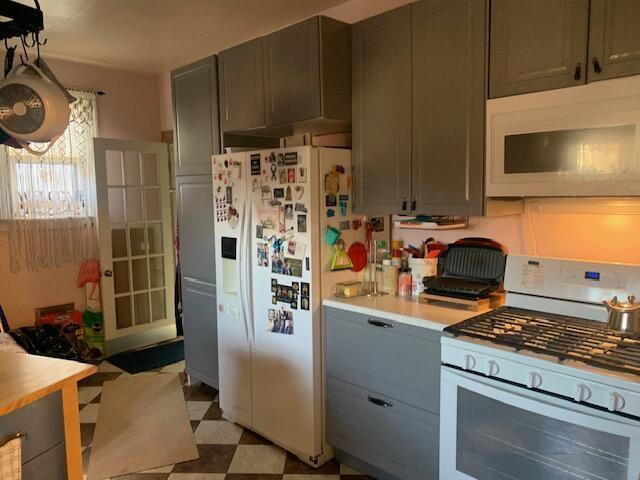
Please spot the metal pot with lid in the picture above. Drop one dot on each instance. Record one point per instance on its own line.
(624, 317)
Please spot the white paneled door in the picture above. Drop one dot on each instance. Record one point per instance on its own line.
(136, 245)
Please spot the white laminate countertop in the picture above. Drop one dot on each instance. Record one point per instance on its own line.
(408, 310)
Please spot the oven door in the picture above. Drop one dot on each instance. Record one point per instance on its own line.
(493, 430)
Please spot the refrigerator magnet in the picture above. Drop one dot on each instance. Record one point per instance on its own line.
(299, 192)
(282, 175)
(302, 174)
(291, 158)
(255, 164)
(304, 303)
(278, 192)
(304, 289)
(263, 255)
(280, 161)
(300, 207)
(331, 212)
(288, 196)
(274, 170)
(288, 210)
(302, 224)
(291, 175)
(330, 201)
(345, 225)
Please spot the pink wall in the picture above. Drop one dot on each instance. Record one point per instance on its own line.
(129, 110)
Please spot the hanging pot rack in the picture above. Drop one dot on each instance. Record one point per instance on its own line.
(23, 21)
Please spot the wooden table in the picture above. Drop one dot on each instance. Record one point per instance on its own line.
(26, 378)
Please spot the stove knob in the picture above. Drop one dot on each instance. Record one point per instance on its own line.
(581, 393)
(469, 362)
(616, 402)
(491, 368)
(534, 380)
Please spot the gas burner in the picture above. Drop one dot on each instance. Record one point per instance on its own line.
(562, 336)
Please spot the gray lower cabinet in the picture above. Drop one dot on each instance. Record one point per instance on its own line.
(382, 112)
(42, 428)
(448, 106)
(382, 394)
(195, 110)
(240, 79)
(197, 268)
(614, 39)
(537, 45)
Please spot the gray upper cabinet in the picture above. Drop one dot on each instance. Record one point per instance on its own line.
(241, 87)
(196, 123)
(614, 39)
(382, 112)
(449, 84)
(537, 45)
(307, 72)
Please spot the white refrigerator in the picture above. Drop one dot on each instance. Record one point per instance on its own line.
(273, 267)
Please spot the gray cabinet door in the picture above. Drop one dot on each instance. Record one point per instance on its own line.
(197, 269)
(449, 85)
(195, 112)
(241, 86)
(393, 437)
(614, 39)
(401, 361)
(292, 73)
(382, 112)
(537, 45)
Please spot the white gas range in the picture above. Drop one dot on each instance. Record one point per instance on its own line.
(541, 388)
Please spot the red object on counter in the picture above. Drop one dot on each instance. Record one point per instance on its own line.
(358, 255)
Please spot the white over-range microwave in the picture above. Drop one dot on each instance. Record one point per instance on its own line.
(577, 141)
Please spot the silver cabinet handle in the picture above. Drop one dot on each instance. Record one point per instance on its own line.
(380, 402)
(108, 273)
(378, 323)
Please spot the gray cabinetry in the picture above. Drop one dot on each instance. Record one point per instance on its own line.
(537, 45)
(307, 72)
(382, 112)
(196, 124)
(197, 268)
(383, 394)
(241, 87)
(449, 84)
(614, 39)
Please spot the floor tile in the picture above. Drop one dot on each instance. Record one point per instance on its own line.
(214, 412)
(174, 367)
(165, 469)
(200, 391)
(347, 470)
(251, 438)
(97, 399)
(197, 476)
(86, 454)
(86, 433)
(218, 432)
(89, 413)
(253, 476)
(197, 409)
(97, 379)
(194, 425)
(258, 459)
(294, 465)
(213, 459)
(106, 367)
(87, 394)
(142, 476)
(309, 476)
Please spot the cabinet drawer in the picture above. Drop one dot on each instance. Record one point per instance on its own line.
(51, 465)
(402, 361)
(40, 422)
(397, 438)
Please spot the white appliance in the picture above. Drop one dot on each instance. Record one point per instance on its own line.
(272, 208)
(529, 392)
(577, 141)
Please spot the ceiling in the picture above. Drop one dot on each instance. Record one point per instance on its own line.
(159, 35)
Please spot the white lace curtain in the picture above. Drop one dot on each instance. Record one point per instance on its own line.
(49, 200)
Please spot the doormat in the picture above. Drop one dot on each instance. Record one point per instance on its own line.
(149, 358)
(134, 433)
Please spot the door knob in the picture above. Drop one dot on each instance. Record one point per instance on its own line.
(108, 273)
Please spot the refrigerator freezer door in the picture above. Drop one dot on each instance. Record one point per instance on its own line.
(234, 345)
(286, 366)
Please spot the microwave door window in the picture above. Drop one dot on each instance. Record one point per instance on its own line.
(585, 152)
(496, 440)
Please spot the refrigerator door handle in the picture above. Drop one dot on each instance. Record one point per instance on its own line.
(247, 266)
(241, 273)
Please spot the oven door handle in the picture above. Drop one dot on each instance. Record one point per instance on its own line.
(531, 401)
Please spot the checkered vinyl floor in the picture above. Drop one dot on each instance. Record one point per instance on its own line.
(227, 451)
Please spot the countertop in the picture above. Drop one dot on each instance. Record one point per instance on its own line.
(25, 378)
(408, 310)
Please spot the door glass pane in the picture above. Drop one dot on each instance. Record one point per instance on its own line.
(496, 440)
(157, 305)
(156, 271)
(121, 277)
(114, 167)
(139, 272)
(587, 151)
(132, 168)
(138, 244)
(141, 308)
(123, 312)
(152, 197)
(118, 242)
(150, 169)
(154, 232)
(134, 205)
(116, 205)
